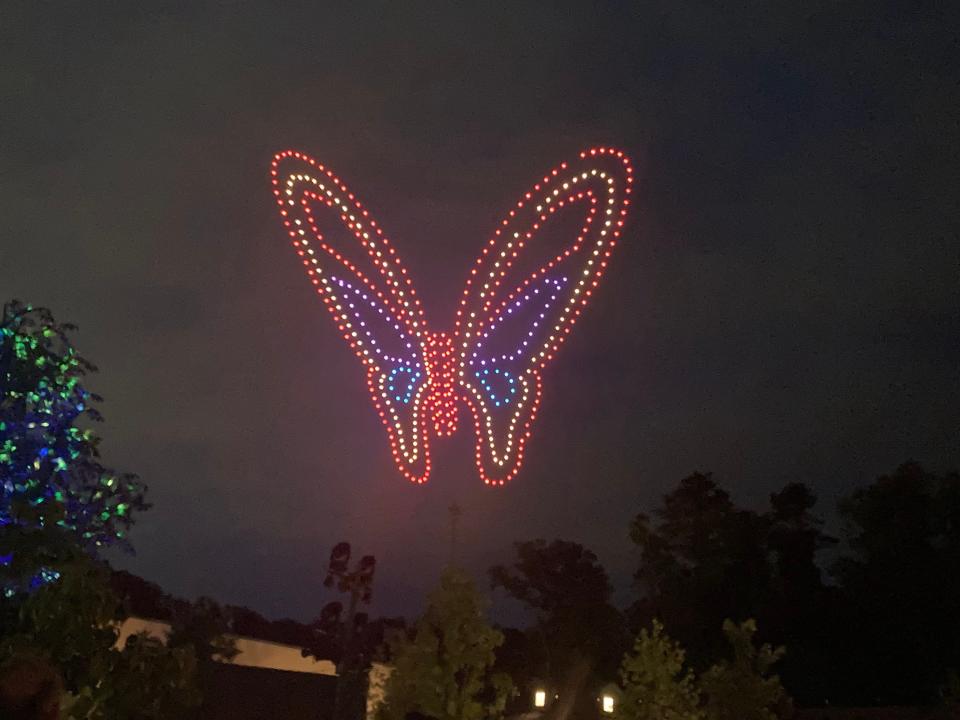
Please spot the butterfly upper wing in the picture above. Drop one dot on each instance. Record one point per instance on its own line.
(365, 287)
(523, 297)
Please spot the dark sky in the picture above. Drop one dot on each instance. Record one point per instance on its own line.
(784, 306)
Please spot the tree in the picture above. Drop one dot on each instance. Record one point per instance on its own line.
(443, 668)
(704, 561)
(742, 687)
(203, 626)
(899, 577)
(51, 477)
(795, 537)
(802, 612)
(73, 623)
(657, 684)
(59, 506)
(577, 630)
(148, 680)
(346, 632)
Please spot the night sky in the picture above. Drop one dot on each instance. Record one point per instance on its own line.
(784, 305)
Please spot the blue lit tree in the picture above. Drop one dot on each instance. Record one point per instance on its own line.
(55, 495)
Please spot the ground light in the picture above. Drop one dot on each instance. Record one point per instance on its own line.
(608, 703)
(541, 696)
(609, 699)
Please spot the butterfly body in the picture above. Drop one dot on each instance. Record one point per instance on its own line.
(441, 365)
(510, 322)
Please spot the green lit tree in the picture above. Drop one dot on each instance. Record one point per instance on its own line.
(51, 478)
(657, 684)
(443, 669)
(59, 506)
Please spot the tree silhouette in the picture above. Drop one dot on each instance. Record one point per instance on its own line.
(578, 632)
(704, 560)
(345, 633)
(900, 580)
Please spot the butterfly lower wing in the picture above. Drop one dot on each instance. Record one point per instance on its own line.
(523, 298)
(360, 279)
(396, 374)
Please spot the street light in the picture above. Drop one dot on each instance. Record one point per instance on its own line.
(540, 698)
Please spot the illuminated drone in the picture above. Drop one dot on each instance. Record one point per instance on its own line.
(520, 302)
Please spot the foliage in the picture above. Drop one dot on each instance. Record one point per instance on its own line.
(443, 668)
(73, 622)
(794, 538)
(147, 680)
(578, 635)
(203, 626)
(704, 560)
(50, 472)
(567, 588)
(657, 685)
(347, 629)
(743, 688)
(901, 586)
(58, 507)
(950, 692)
(153, 680)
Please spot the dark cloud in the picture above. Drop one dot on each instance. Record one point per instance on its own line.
(785, 306)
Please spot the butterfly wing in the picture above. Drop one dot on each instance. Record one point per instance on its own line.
(524, 295)
(371, 298)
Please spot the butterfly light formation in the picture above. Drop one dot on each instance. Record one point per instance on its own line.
(520, 302)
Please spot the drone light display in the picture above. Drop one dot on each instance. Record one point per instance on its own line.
(520, 302)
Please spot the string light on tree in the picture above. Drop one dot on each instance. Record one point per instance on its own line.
(419, 378)
(52, 482)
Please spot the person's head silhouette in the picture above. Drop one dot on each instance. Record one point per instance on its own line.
(30, 689)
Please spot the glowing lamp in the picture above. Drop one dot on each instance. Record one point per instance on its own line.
(609, 699)
(540, 698)
(510, 321)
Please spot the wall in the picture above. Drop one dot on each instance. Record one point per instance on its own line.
(251, 652)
